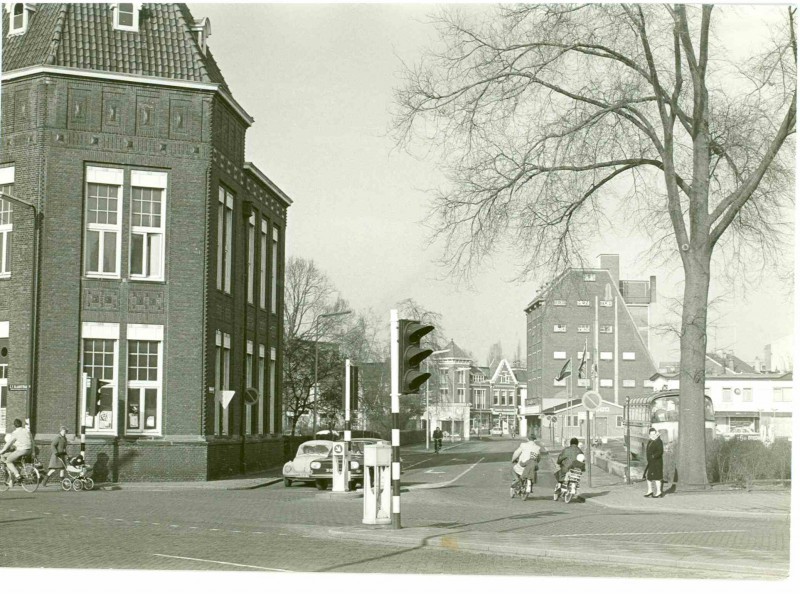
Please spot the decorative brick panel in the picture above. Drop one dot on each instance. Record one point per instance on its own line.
(101, 299)
(146, 301)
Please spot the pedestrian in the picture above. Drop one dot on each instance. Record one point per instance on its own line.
(58, 457)
(654, 471)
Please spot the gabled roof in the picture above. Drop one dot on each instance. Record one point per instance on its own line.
(82, 36)
(731, 361)
(454, 352)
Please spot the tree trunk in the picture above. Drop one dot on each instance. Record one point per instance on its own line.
(692, 443)
(295, 418)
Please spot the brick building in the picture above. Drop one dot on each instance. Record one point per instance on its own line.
(592, 310)
(159, 267)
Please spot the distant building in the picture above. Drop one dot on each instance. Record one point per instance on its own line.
(160, 247)
(589, 310)
(717, 363)
(466, 399)
(757, 401)
(778, 356)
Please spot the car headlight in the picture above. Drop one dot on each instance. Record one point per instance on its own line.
(316, 466)
(354, 465)
(287, 467)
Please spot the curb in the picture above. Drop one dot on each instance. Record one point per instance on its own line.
(697, 512)
(530, 550)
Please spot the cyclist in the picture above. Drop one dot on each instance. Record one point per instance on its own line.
(22, 444)
(565, 459)
(437, 439)
(525, 459)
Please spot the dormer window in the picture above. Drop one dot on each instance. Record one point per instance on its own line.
(18, 18)
(202, 31)
(126, 16)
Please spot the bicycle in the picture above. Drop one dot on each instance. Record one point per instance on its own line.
(28, 474)
(521, 488)
(437, 445)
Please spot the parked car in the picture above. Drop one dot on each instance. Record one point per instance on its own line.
(299, 470)
(322, 469)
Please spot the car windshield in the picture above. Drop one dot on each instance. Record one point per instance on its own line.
(357, 447)
(317, 449)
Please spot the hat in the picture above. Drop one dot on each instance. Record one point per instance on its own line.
(63, 428)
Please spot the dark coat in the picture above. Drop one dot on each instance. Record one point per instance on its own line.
(59, 445)
(654, 471)
(565, 459)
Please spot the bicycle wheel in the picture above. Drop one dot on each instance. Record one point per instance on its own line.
(4, 486)
(77, 485)
(89, 484)
(30, 478)
(567, 496)
(66, 484)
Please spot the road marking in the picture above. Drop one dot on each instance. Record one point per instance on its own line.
(193, 528)
(417, 463)
(433, 471)
(444, 484)
(223, 563)
(258, 533)
(174, 526)
(237, 531)
(650, 533)
(214, 529)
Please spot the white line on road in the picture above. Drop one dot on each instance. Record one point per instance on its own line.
(417, 463)
(649, 533)
(444, 484)
(223, 563)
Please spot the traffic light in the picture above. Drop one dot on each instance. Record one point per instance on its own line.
(93, 395)
(411, 355)
(353, 387)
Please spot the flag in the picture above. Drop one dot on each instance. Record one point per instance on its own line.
(565, 371)
(582, 366)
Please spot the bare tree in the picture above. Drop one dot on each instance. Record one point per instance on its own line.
(309, 293)
(495, 354)
(550, 117)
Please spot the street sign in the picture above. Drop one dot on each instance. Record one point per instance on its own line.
(591, 400)
(18, 387)
(250, 396)
(338, 449)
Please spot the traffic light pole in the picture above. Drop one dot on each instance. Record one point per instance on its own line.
(394, 335)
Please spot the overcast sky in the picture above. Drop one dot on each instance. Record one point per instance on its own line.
(318, 79)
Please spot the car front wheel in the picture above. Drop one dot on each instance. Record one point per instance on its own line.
(287, 482)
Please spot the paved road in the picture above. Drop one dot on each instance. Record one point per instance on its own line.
(279, 529)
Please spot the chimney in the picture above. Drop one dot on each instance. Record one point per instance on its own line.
(653, 292)
(610, 262)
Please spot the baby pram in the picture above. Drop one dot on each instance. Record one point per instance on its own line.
(79, 475)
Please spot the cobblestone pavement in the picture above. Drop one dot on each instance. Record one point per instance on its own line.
(467, 525)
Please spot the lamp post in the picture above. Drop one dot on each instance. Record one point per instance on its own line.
(37, 230)
(316, 361)
(427, 400)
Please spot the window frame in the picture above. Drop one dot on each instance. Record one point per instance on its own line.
(24, 15)
(273, 378)
(607, 383)
(583, 303)
(7, 179)
(559, 327)
(276, 240)
(628, 355)
(224, 238)
(606, 329)
(264, 251)
(117, 11)
(589, 277)
(148, 180)
(262, 370)
(251, 258)
(109, 332)
(145, 333)
(626, 383)
(110, 177)
(606, 355)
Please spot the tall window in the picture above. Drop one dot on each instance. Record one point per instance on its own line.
(275, 243)
(460, 395)
(262, 351)
(747, 394)
(145, 365)
(251, 256)
(148, 214)
(263, 264)
(18, 18)
(224, 239)
(272, 389)
(103, 221)
(726, 395)
(99, 361)
(3, 373)
(248, 382)
(7, 187)
(222, 382)
(462, 376)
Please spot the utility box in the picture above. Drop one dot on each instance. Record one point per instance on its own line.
(341, 467)
(377, 484)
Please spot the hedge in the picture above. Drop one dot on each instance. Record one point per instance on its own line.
(743, 462)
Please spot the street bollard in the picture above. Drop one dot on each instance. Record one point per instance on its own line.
(377, 484)
(341, 469)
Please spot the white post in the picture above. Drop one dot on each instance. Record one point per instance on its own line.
(394, 335)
